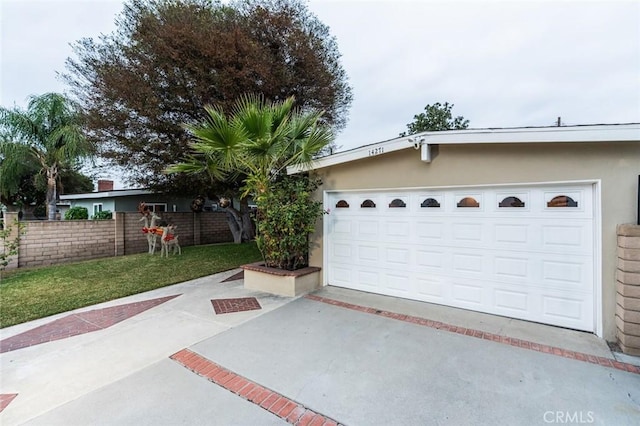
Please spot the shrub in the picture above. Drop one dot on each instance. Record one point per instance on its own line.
(103, 215)
(40, 211)
(286, 216)
(76, 213)
(9, 247)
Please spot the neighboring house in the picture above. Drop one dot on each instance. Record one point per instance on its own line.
(515, 222)
(127, 200)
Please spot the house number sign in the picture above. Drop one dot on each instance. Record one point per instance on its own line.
(376, 151)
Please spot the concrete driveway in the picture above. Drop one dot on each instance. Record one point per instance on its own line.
(334, 357)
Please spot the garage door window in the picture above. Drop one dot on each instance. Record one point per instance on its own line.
(562, 201)
(511, 202)
(430, 203)
(468, 202)
(342, 204)
(397, 203)
(368, 204)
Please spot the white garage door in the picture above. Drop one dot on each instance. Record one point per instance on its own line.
(522, 252)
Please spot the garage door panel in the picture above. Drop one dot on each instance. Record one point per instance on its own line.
(465, 263)
(511, 302)
(395, 230)
(562, 307)
(467, 294)
(430, 230)
(368, 254)
(528, 257)
(564, 274)
(432, 289)
(515, 234)
(369, 279)
(397, 257)
(368, 230)
(428, 259)
(512, 268)
(396, 282)
(343, 228)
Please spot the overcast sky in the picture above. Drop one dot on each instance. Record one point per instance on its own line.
(503, 64)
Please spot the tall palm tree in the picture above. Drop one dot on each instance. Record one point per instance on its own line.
(256, 142)
(48, 135)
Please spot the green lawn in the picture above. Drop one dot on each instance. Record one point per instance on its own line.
(28, 294)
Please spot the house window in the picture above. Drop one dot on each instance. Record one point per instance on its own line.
(562, 201)
(430, 202)
(342, 204)
(157, 207)
(468, 202)
(368, 204)
(397, 203)
(511, 202)
(97, 207)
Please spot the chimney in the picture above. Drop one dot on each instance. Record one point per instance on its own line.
(105, 185)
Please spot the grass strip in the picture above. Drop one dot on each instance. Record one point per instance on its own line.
(28, 294)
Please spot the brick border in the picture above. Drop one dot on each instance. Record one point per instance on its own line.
(5, 399)
(79, 323)
(239, 304)
(272, 401)
(525, 344)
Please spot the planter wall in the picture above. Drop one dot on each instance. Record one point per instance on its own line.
(628, 289)
(279, 281)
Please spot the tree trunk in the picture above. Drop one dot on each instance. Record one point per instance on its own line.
(52, 177)
(235, 224)
(248, 230)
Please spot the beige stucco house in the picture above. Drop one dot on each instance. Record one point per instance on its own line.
(517, 222)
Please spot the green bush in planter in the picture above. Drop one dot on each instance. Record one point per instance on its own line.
(286, 216)
(103, 215)
(76, 213)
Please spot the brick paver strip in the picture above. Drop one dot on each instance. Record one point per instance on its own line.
(80, 323)
(277, 404)
(532, 346)
(234, 277)
(5, 399)
(225, 306)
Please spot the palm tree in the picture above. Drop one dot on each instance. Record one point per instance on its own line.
(257, 143)
(259, 140)
(48, 135)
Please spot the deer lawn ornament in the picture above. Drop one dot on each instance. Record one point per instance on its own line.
(150, 228)
(169, 241)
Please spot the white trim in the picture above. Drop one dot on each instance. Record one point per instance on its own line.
(106, 194)
(482, 185)
(325, 247)
(597, 258)
(597, 237)
(601, 133)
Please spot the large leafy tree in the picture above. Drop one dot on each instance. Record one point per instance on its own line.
(44, 139)
(435, 117)
(258, 142)
(169, 58)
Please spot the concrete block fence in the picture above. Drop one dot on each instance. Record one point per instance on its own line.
(53, 242)
(628, 289)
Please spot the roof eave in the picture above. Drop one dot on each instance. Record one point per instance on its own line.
(565, 134)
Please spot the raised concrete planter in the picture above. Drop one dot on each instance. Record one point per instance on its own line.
(279, 281)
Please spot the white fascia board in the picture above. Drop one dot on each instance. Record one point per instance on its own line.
(564, 134)
(603, 133)
(106, 194)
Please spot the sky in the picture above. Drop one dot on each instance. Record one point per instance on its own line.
(501, 63)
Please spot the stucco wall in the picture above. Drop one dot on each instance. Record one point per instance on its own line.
(617, 165)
